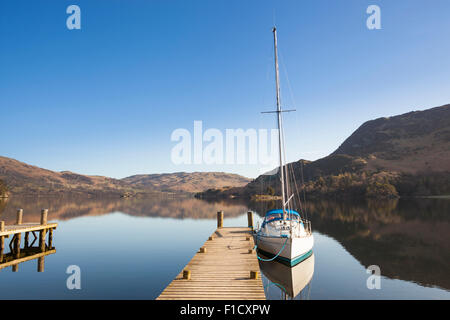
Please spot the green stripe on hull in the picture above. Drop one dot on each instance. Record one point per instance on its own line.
(286, 261)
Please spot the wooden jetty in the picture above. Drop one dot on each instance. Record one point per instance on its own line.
(225, 268)
(28, 252)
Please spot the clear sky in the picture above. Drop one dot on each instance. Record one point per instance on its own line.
(105, 99)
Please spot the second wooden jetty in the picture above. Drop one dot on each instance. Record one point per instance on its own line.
(28, 252)
(225, 268)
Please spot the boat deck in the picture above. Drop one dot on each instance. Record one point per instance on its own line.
(225, 268)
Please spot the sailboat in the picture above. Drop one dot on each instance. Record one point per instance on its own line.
(284, 235)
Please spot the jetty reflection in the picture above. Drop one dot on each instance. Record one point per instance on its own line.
(14, 258)
(289, 282)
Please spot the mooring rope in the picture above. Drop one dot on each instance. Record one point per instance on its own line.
(268, 260)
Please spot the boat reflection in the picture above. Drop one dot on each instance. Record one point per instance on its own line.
(286, 283)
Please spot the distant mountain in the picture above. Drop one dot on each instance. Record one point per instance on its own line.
(21, 178)
(186, 182)
(406, 155)
(414, 142)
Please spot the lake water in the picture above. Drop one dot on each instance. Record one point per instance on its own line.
(133, 248)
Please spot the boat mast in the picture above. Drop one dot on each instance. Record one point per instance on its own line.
(280, 126)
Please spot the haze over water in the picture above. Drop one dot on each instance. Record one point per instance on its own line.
(133, 248)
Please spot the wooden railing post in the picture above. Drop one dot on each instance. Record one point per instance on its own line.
(43, 233)
(220, 219)
(41, 264)
(44, 214)
(50, 238)
(27, 239)
(19, 216)
(2, 240)
(250, 219)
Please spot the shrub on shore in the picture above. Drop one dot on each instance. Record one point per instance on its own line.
(381, 190)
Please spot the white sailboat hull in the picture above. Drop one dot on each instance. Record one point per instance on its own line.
(290, 251)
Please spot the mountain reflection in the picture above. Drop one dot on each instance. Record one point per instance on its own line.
(66, 208)
(408, 238)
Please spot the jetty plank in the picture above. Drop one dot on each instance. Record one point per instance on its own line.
(222, 272)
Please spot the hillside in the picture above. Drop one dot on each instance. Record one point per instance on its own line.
(186, 182)
(406, 155)
(21, 178)
(413, 142)
(3, 190)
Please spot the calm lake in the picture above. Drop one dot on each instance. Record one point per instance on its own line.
(133, 248)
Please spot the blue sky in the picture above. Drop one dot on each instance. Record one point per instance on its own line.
(105, 99)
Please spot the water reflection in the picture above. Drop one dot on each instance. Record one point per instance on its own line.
(284, 282)
(66, 208)
(14, 258)
(408, 238)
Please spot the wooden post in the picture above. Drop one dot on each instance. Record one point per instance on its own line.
(15, 268)
(210, 238)
(250, 219)
(202, 250)
(19, 216)
(17, 245)
(187, 274)
(254, 275)
(41, 264)
(220, 219)
(2, 240)
(27, 239)
(43, 233)
(50, 238)
(44, 214)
